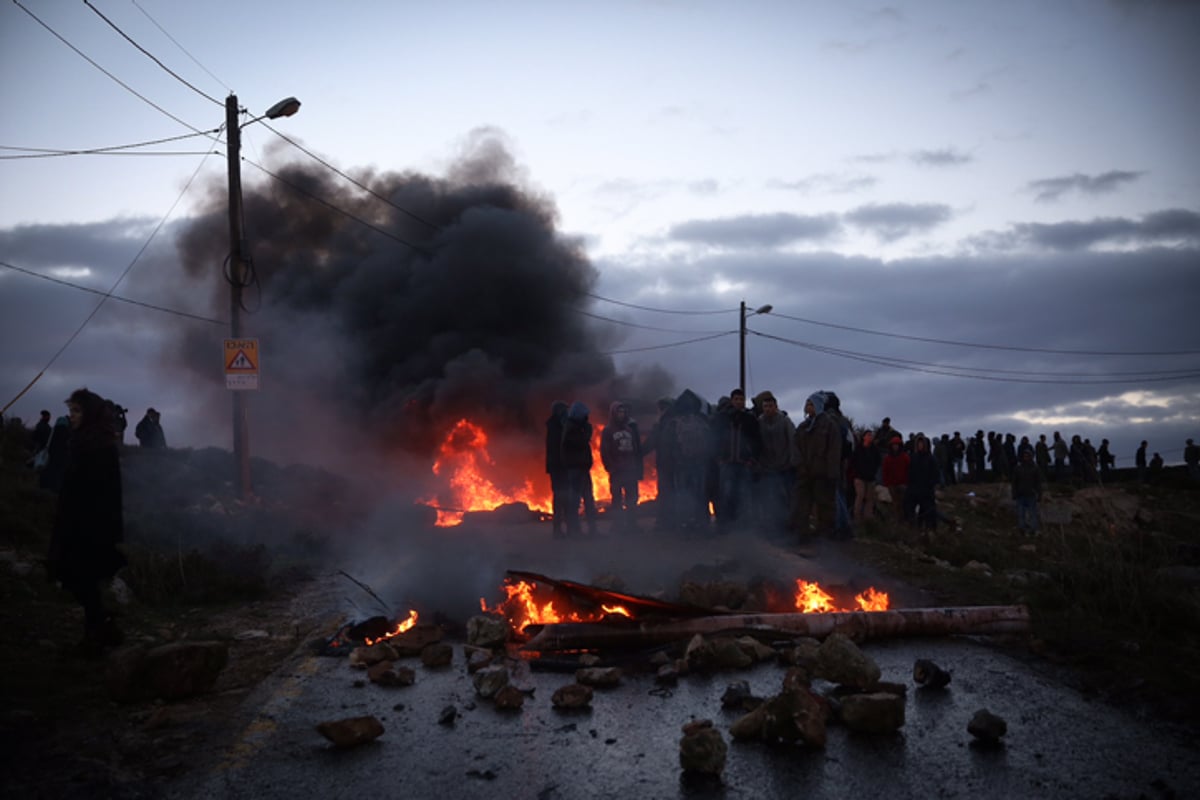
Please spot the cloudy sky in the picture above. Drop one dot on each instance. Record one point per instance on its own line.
(964, 215)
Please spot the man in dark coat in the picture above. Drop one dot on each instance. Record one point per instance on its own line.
(41, 432)
(577, 460)
(89, 524)
(737, 445)
(818, 470)
(919, 498)
(621, 455)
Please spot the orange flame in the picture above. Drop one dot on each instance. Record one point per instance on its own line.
(521, 608)
(812, 599)
(470, 473)
(401, 627)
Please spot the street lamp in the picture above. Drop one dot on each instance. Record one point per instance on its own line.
(742, 341)
(237, 269)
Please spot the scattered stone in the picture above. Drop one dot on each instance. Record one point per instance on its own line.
(797, 679)
(490, 680)
(448, 715)
(589, 660)
(118, 588)
(170, 672)
(788, 717)
(659, 658)
(352, 731)
(986, 727)
(363, 656)
(599, 677)
(477, 658)
(437, 654)
(416, 639)
(573, 695)
(877, 712)
(840, 661)
(385, 673)
(756, 649)
(667, 674)
(487, 631)
(978, 568)
(737, 695)
(803, 654)
(930, 675)
(702, 748)
(509, 698)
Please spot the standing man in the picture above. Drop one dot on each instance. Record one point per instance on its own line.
(1060, 457)
(778, 434)
(1027, 492)
(818, 469)
(577, 460)
(621, 455)
(1140, 462)
(1191, 457)
(738, 445)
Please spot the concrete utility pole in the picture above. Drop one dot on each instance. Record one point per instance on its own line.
(742, 340)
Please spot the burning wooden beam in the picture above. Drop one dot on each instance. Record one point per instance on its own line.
(860, 625)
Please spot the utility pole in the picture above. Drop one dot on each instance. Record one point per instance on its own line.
(742, 339)
(237, 276)
(742, 348)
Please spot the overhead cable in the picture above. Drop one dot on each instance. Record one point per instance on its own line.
(120, 82)
(669, 344)
(660, 310)
(45, 152)
(642, 327)
(341, 211)
(149, 55)
(181, 47)
(118, 298)
(360, 185)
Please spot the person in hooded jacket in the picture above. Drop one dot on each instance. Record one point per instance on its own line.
(772, 490)
(895, 475)
(920, 497)
(664, 468)
(865, 463)
(89, 522)
(555, 468)
(818, 469)
(621, 455)
(738, 445)
(687, 438)
(577, 461)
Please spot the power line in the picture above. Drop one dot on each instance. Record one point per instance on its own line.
(120, 82)
(45, 152)
(82, 288)
(987, 346)
(362, 186)
(659, 310)
(331, 206)
(109, 293)
(937, 369)
(149, 55)
(670, 344)
(642, 327)
(181, 47)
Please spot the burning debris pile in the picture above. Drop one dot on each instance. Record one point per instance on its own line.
(604, 638)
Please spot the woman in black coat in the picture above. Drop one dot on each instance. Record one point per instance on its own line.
(88, 527)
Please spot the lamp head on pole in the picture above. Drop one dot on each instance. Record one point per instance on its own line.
(764, 309)
(284, 108)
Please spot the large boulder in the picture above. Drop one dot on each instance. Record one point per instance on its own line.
(840, 661)
(170, 672)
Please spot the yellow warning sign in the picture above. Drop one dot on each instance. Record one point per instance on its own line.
(241, 363)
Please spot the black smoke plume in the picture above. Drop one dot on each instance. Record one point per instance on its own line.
(381, 326)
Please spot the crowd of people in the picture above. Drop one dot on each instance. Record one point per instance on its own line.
(744, 466)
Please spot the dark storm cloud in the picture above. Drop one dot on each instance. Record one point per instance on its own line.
(943, 157)
(891, 221)
(756, 230)
(1051, 189)
(99, 245)
(1161, 227)
(818, 335)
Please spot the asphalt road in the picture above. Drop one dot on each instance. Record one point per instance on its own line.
(1058, 745)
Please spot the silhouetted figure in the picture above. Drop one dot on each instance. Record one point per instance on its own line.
(621, 455)
(149, 431)
(89, 524)
(555, 468)
(1156, 467)
(1139, 461)
(41, 432)
(577, 459)
(1027, 492)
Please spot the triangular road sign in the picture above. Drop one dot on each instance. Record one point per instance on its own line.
(241, 363)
